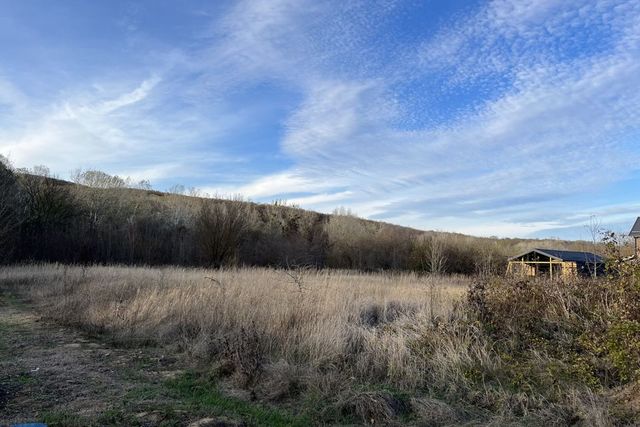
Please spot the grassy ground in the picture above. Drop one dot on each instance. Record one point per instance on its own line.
(327, 347)
(143, 346)
(59, 376)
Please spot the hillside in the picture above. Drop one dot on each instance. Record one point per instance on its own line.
(52, 220)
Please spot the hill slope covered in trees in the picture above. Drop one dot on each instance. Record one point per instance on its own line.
(101, 219)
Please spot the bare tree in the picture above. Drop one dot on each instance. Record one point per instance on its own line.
(485, 258)
(144, 184)
(48, 210)
(595, 230)
(220, 227)
(343, 211)
(429, 253)
(40, 170)
(177, 189)
(194, 192)
(98, 179)
(437, 255)
(9, 209)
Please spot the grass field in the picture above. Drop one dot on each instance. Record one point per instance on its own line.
(299, 315)
(339, 347)
(277, 334)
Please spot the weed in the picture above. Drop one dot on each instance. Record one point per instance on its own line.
(65, 419)
(205, 396)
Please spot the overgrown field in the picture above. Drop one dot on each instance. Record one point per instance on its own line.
(342, 347)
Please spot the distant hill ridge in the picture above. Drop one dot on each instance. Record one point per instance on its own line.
(93, 222)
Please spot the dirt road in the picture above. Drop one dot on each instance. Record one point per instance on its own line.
(61, 377)
(58, 375)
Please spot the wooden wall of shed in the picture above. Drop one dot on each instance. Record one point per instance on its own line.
(518, 268)
(569, 269)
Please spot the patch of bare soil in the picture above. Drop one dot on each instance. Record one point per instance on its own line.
(49, 371)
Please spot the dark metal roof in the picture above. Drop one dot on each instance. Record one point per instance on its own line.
(635, 230)
(575, 256)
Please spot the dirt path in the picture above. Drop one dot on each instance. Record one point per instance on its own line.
(54, 374)
(61, 377)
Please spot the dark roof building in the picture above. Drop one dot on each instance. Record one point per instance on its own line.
(561, 255)
(635, 230)
(556, 263)
(635, 233)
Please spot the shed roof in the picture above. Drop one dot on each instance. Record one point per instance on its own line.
(575, 256)
(635, 230)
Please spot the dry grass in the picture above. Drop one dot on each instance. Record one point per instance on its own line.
(319, 319)
(349, 347)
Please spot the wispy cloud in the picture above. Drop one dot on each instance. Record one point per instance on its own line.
(125, 131)
(491, 120)
(556, 127)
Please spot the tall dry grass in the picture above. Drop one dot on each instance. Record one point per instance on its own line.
(361, 322)
(376, 347)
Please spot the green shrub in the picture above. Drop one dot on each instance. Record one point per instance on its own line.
(579, 332)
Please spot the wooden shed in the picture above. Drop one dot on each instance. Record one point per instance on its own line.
(556, 263)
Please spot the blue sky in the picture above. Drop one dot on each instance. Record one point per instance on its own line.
(506, 117)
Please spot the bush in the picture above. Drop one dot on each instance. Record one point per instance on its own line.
(585, 331)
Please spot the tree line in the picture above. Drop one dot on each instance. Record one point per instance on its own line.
(105, 219)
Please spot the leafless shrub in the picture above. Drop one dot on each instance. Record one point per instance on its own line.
(247, 353)
(432, 412)
(376, 314)
(282, 381)
(220, 229)
(296, 274)
(374, 407)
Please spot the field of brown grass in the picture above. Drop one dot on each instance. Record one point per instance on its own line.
(345, 347)
(302, 315)
(277, 328)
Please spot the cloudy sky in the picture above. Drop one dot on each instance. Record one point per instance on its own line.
(505, 117)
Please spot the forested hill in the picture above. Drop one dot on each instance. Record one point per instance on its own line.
(101, 220)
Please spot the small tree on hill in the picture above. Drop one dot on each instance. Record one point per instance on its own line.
(220, 227)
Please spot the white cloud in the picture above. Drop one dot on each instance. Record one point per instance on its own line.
(124, 129)
(544, 95)
(63, 133)
(279, 184)
(323, 201)
(137, 95)
(557, 129)
(334, 115)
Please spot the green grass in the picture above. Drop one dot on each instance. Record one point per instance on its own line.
(26, 378)
(204, 396)
(64, 418)
(144, 392)
(111, 417)
(8, 298)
